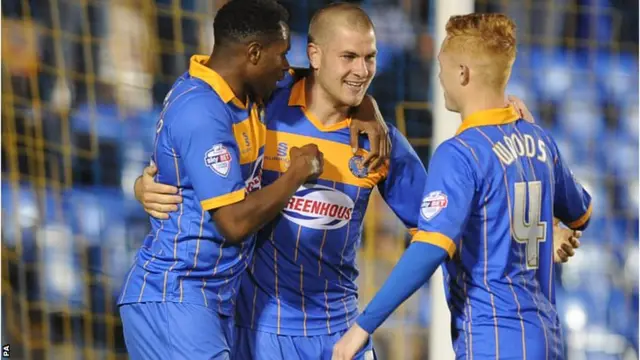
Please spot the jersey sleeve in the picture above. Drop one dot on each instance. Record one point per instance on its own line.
(448, 198)
(406, 177)
(571, 203)
(204, 141)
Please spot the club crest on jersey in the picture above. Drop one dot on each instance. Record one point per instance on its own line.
(319, 207)
(432, 204)
(218, 159)
(357, 167)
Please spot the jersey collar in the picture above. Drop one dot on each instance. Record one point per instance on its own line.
(298, 98)
(198, 70)
(499, 116)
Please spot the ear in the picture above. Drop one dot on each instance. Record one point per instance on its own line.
(254, 51)
(463, 74)
(314, 53)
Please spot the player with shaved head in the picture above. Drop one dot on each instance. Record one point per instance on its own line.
(299, 292)
(342, 51)
(487, 213)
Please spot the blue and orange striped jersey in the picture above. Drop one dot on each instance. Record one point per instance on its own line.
(209, 145)
(489, 201)
(302, 280)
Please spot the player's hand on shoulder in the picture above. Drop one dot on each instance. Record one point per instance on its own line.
(350, 343)
(307, 162)
(521, 108)
(157, 199)
(367, 119)
(565, 241)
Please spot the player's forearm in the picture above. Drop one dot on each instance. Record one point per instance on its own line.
(237, 221)
(415, 267)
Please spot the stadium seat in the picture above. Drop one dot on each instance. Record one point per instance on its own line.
(617, 72)
(580, 114)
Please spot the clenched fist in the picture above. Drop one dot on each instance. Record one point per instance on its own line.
(307, 161)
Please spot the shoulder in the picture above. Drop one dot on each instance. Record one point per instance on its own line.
(193, 104)
(399, 142)
(454, 156)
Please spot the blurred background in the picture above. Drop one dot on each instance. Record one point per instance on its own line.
(82, 85)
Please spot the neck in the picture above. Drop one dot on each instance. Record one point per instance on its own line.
(223, 63)
(482, 100)
(322, 105)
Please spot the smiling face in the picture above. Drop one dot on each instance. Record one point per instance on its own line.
(342, 51)
(347, 65)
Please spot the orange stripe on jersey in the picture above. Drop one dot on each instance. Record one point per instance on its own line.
(413, 231)
(198, 69)
(220, 201)
(583, 219)
(436, 239)
(489, 117)
(336, 159)
(250, 137)
(298, 98)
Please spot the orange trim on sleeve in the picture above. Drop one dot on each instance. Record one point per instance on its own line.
(436, 239)
(583, 219)
(413, 231)
(223, 200)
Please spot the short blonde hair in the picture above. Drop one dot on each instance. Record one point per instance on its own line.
(489, 40)
(335, 14)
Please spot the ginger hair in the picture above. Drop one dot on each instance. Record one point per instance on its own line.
(486, 41)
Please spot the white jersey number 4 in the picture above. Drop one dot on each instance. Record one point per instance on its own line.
(531, 232)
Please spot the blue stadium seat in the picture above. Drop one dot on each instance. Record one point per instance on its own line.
(106, 118)
(618, 74)
(520, 87)
(553, 73)
(20, 215)
(61, 254)
(103, 223)
(628, 124)
(622, 155)
(629, 196)
(580, 114)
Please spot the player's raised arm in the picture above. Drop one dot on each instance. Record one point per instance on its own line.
(406, 177)
(572, 203)
(446, 205)
(240, 219)
(209, 151)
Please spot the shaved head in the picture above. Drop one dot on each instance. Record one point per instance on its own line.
(327, 20)
(342, 52)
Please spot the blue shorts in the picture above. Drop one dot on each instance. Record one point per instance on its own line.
(260, 345)
(167, 330)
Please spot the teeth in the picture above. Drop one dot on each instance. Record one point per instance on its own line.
(353, 83)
